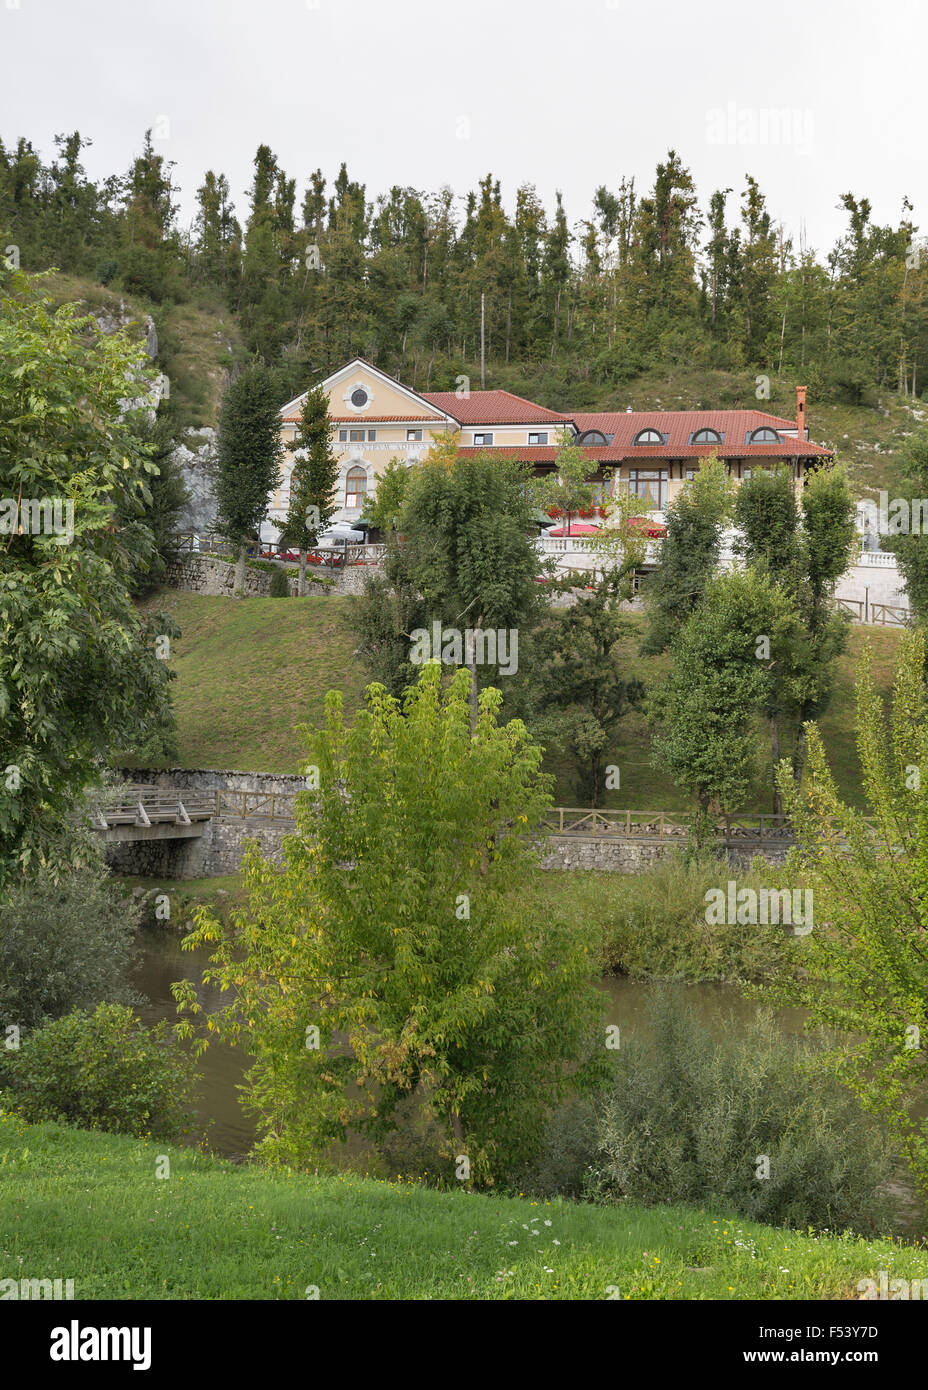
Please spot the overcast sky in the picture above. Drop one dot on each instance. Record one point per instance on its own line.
(814, 99)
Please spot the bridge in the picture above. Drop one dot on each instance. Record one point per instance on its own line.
(143, 811)
(139, 811)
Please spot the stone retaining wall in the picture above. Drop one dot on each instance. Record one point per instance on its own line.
(204, 574)
(219, 849)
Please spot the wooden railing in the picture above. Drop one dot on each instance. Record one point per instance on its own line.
(142, 805)
(661, 826)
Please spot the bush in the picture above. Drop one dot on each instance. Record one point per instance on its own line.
(689, 1117)
(101, 1070)
(65, 945)
(654, 923)
(280, 583)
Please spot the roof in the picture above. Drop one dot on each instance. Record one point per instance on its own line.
(494, 408)
(735, 427)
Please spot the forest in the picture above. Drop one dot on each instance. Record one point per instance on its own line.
(316, 272)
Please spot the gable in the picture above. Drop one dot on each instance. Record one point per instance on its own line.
(387, 399)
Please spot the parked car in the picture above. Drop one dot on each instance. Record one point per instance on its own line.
(340, 534)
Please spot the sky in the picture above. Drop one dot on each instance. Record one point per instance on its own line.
(814, 99)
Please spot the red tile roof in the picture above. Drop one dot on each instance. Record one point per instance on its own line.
(735, 427)
(494, 408)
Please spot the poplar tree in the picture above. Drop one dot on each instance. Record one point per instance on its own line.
(313, 479)
(248, 460)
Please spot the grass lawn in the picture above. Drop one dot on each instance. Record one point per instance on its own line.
(248, 671)
(74, 1204)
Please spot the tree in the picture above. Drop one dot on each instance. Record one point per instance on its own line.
(862, 973)
(384, 508)
(313, 479)
(567, 488)
(80, 675)
(805, 548)
(704, 710)
(248, 456)
(582, 694)
(689, 553)
(391, 957)
(469, 549)
(911, 546)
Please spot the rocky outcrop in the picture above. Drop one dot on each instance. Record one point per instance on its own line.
(195, 453)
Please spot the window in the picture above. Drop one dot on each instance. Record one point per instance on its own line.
(707, 437)
(484, 439)
(601, 492)
(650, 484)
(649, 437)
(356, 435)
(593, 438)
(372, 435)
(355, 487)
(538, 437)
(413, 436)
(765, 435)
(359, 397)
(343, 436)
(689, 474)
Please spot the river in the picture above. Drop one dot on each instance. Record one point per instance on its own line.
(231, 1133)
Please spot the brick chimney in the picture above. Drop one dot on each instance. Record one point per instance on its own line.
(801, 412)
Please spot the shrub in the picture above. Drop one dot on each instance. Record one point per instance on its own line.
(101, 1070)
(654, 923)
(65, 945)
(689, 1118)
(280, 584)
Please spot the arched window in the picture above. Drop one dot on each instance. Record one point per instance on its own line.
(592, 437)
(765, 435)
(707, 437)
(649, 437)
(355, 487)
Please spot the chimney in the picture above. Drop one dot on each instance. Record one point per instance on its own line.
(801, 412)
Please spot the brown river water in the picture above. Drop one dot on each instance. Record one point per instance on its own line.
(231, 1133)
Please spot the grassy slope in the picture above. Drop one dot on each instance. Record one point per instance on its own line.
(89, 1207)
(248, 672)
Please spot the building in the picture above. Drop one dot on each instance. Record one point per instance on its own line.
(375, 418)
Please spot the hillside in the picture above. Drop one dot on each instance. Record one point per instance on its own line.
(200, 340)
(90, 1205)
(249, 672)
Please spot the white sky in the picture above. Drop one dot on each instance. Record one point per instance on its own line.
(565, 95)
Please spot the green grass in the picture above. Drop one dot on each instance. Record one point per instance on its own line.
(248, 671)
(88, 1206)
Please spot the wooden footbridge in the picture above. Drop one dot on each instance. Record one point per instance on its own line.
(139, 811)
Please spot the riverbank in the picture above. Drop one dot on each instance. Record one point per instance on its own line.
(91, 1207)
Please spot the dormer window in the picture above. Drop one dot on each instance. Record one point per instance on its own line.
(595, 438)
(482, 439)
(649, 437)
(707, 437)
(765, 435)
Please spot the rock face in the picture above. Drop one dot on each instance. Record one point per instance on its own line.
(196, 455)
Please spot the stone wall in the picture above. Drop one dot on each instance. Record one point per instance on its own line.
(204, 574)
(219, 849)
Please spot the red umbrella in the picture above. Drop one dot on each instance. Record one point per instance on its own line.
(577, 528)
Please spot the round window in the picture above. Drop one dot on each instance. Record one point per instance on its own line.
(359, 397)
